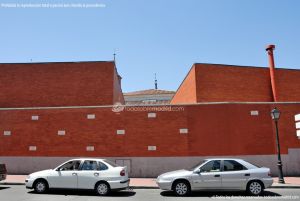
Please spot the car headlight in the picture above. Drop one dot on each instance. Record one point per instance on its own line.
(163, 179)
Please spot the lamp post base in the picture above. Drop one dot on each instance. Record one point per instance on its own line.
(280, 174)
(281, 181)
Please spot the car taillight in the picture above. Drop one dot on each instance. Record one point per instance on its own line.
(269, 174)
(122, 173)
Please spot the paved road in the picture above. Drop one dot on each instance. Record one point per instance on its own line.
(19, 193)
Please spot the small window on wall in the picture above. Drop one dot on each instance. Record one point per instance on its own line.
(120, 132)
(90, 148)
(32, 148)
(7, 133)
(34, 117)
(61, 132)
(91, 116)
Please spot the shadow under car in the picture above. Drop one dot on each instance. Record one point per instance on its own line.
(3, 187)
(225, 194)
(66, 192)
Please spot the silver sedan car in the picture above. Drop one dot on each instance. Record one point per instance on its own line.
(218, 174)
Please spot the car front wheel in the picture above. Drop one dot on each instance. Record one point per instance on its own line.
(255, 188)
(102, 189)
(40, 186)
(181, 188)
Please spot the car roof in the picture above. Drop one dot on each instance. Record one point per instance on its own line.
(95, 159)
(237, 159)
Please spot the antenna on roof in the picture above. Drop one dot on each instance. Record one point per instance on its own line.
(155, 83)
(115, 55)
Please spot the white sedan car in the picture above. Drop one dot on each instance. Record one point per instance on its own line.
(85, 173)
(217, 174)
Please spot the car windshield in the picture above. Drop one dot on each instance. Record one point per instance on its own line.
(198, 164)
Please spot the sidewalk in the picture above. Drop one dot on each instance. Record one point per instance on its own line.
(290, 182)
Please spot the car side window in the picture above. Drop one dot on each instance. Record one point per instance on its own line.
(69, 166)
(211, 166)
(232, 165)
(102, 166)
(89, 165)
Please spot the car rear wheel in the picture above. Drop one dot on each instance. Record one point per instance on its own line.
(181, 188)
(40, 186)
(102, 188)
(255, 188)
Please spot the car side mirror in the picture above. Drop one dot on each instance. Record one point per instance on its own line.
(58, 169)
(198, 171)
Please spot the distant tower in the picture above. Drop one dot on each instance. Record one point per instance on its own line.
(155, 83)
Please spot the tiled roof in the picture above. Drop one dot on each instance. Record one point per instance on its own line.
(149, 92)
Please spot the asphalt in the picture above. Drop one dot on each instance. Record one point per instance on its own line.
(19, 193)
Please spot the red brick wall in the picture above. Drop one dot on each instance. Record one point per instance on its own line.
(225, 83)
(288, 84)
(117, 95)
(186, 93)
(218, 83)
(57, 84)
(214, 129)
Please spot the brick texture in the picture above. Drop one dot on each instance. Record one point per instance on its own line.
(288, 85)
(186, 93)
(214, 129)
(225, 83)
(58, 84)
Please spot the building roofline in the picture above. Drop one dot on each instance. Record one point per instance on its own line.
(140, 92)
(239, 66)
(50, 62)
(184, 81)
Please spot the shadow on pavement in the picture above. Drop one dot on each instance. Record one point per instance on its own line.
(2, 188)
(219, 194)
(86, 193)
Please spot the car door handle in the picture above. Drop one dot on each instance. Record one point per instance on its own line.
(247, 174)
(74, 174)
(217, 175)
(96, 174)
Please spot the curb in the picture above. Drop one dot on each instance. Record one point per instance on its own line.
(12, 183)
(143, 187)
(291, 187)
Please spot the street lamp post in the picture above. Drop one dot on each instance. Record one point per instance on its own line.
(275, 113)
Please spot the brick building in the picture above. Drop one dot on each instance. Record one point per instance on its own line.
(51, 112)
(149, 97)
(59, 84)
(229, 83)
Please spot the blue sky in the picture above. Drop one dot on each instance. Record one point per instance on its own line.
(153, 36)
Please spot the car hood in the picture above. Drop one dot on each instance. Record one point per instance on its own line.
(41, 173)
(177, 173)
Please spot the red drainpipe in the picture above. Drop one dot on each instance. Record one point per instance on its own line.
(270, 49)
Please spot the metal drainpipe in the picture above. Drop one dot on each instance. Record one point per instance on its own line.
(270, 49)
